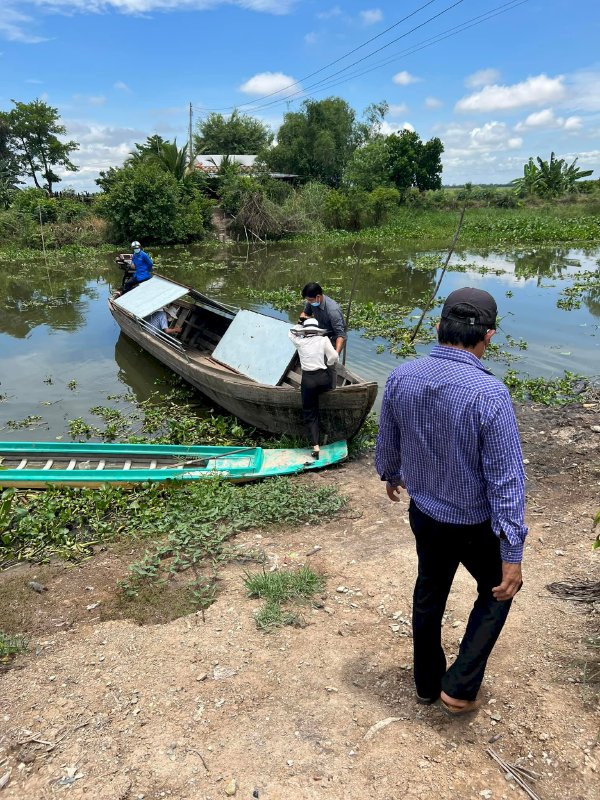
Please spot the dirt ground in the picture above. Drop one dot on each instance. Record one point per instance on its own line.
(112, 710)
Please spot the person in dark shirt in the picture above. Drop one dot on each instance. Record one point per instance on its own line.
(327, 313)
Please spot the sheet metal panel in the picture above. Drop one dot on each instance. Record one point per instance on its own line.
(149, 296)
(256, 346)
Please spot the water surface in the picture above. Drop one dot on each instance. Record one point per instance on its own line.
(61, 353)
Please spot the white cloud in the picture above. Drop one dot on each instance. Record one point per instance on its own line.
(546, 120)
(404, 78)
(311, 38)
(334, 11)
(536, 91)
(16, 26)
(33, 80)
(388, 128)
(397, 109)
(92, 100)
(268, 83)
(465, 141)
(433, 102)
(483, 77)
(371, 16)
(100, 147)
(584, 91)
(121, 86)
(573, 123)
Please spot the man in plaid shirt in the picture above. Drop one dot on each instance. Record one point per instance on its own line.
(448, 435)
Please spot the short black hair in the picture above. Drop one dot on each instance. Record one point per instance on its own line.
(453, 331)
(312, 290)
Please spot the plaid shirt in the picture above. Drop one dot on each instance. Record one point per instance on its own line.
(448, 433)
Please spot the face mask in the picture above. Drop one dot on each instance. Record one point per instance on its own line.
(137, 249)
(315, 305)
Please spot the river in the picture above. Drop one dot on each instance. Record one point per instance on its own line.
(61, 353)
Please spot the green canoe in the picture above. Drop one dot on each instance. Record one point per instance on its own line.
(42, 464)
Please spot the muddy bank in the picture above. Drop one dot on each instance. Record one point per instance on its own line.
(187, 708)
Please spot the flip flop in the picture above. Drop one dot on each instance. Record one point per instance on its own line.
(459, 711)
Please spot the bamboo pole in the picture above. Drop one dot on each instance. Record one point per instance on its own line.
(437, 286)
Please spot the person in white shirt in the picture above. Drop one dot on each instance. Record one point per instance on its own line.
(316, 354)
(163, 319)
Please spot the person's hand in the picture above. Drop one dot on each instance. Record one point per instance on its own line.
(393, 492)
(512, 580)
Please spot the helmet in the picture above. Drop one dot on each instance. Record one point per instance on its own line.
(136, 244)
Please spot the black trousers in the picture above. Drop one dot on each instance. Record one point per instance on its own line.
(441, 547)
(131, 283)
(312, 386)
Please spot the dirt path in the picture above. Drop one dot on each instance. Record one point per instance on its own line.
(183, 709)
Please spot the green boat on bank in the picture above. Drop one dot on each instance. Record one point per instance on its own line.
(38, 465)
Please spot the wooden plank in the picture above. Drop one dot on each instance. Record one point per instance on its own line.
(101, 463)
(127, 464)
(72, 463)
(48, 464)
(22, 464)
(153, 464)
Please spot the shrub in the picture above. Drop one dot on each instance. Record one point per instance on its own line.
(28, 201)
(335, 209)
(382, 202)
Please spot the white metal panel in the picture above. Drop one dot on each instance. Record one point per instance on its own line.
(149, 296)
(257, 346)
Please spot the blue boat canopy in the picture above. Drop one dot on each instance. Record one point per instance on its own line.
(149, 296)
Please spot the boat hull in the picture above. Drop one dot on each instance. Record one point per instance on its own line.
(275, 409)
(39, 465)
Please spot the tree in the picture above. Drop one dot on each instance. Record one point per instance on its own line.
(316, 142)
(369, 166)
(413, 163)
(34, 129)
(238, 134)
(551, 178)
(144, 201)
(9, 165)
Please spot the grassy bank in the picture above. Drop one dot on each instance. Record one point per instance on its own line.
(576, 223)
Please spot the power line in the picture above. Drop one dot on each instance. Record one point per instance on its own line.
(326, 84)
(326, 66)
(364, 58)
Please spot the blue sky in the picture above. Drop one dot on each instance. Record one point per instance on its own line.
(524, 82)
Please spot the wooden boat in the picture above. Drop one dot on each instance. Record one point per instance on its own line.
(37, 465)
(209, 327)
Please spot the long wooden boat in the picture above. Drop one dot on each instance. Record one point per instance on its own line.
(37, 465)
(195, 355)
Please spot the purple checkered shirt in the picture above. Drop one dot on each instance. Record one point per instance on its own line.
(448, 433)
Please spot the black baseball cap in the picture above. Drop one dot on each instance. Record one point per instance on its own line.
(471, 306)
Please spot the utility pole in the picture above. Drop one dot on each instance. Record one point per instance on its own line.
(190, 145)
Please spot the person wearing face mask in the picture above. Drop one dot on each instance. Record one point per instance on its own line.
(142, 264)
(330, 318)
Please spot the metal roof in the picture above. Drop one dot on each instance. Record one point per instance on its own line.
(257, 346)
(149, 296)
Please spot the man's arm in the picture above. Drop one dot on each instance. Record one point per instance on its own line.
(502, 464)
(338, 326)
(388, 459)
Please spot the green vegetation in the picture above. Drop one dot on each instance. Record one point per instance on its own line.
(279, 588)
(553, 178)
(192, 521)
(238, 134)
(31, 141)
(10, 646)
(156, 196)
(548, 391)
